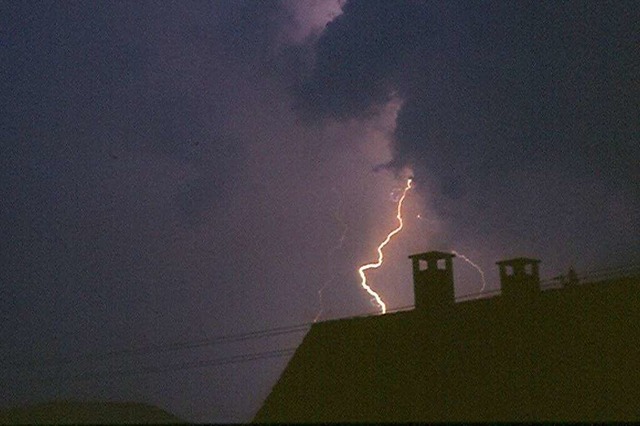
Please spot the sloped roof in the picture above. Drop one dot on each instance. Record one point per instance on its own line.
(571, 355)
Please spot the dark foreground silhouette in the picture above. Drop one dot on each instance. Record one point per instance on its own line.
(70, 412)
(568, 354)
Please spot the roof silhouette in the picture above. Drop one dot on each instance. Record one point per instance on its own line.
(566, 355)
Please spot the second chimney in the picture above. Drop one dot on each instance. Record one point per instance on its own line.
(519, 278)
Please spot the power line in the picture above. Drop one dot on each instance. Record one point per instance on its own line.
(258, 334)
(198, 364)
(597, 274)
(171, 347)
(177, 346)
(632, 266)
(235, 359)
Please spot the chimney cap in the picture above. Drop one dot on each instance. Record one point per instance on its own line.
(429, 255)
(518, 261)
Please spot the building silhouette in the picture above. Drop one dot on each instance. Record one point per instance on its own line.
(570, 354)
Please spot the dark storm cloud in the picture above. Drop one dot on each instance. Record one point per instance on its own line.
(498, 98)
(116, 146)
(514, 69)
(358, 56)
(133, 206)
(108, 150)
(89, 77)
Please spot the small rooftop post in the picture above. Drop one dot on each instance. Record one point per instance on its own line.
(433, 280)
(519, 277)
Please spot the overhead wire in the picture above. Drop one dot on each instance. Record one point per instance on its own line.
(171, 347)
(167, 368)
(253, 335)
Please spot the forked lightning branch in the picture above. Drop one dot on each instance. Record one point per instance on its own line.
(378, 263)
(361, 271)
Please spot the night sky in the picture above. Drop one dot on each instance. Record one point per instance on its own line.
(171, 172)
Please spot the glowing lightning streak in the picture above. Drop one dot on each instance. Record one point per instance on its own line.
(363, 268)
(466, 259)
(334, 249)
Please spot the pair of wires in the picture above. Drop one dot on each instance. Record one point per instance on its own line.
(50, 364)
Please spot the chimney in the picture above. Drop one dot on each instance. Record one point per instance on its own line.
(433, 280)
(519, 278)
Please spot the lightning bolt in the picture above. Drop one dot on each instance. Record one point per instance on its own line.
(330, 254)
(363, 277)
(466, 259)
